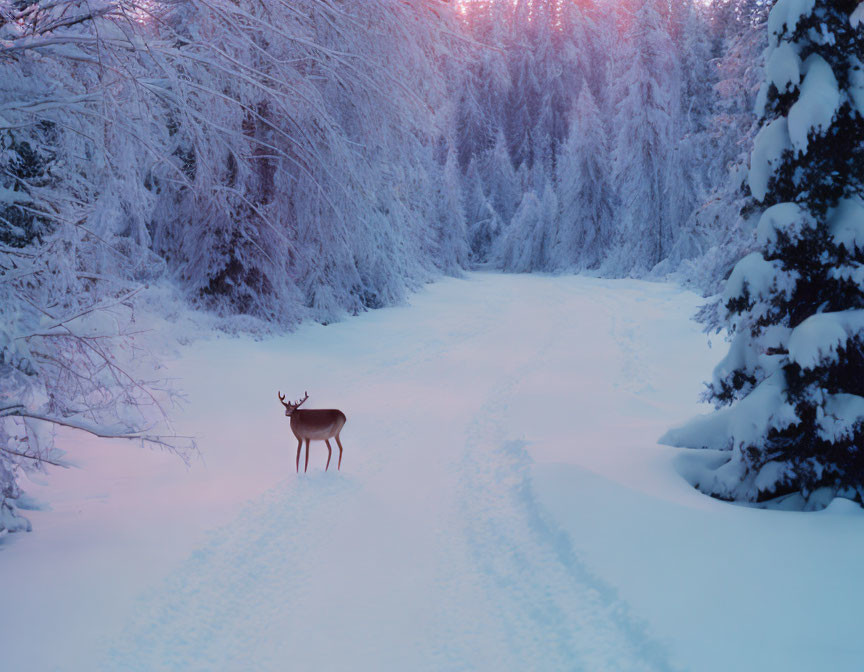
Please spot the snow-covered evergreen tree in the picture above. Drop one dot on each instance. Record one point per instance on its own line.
(502, 184)
(451, 238)
(473, 125)
(519, 126)
(794, 375)
(690, 158)
(481, 220)
(526, 244)
(645, 142)
(582, 53)
(553, 100)
(585, 191)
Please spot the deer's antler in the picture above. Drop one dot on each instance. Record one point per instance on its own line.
(282, 399)
(302, 400)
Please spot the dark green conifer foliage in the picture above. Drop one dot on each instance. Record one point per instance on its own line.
(794, 376)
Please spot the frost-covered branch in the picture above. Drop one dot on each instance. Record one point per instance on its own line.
(276, 160)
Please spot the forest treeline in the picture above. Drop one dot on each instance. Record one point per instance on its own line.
(610, 137)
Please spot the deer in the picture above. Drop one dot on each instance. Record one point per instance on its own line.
(321, 424)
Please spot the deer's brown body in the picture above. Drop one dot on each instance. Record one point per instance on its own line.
(320, 424)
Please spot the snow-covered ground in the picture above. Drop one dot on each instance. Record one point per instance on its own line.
(502, 505)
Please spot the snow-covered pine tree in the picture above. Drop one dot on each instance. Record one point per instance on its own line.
(794, 375)
(581, 54)
(554, 94)
(585, 192)
(25, 158)
(487, 80)
(525, 245)
(481, 221)
(451, 244)
(645, 107)
(473, 127)
(518, 118)
(502, 182)
(690, 161)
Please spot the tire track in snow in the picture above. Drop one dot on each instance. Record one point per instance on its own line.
(556, 615)
(218, 611)
(322, 573)
(525, 598)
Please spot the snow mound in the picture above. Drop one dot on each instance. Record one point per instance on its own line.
(760, 278)
(856, 83)
(816, 106)
(785, 16)
(744, 424)
(851, 272)
(789, 218)
(857, 17)
(743, 355)
(844, 415)
(768, 148)
(816, 340)
(783, 68)
(846, 224)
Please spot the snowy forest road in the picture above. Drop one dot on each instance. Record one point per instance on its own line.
(426, 551)
(502, 505)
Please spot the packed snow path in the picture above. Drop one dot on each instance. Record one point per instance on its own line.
(502, 505)
(426, 552)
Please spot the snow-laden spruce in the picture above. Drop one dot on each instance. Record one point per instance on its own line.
(793, 379)
(587, 199)
(644, 146)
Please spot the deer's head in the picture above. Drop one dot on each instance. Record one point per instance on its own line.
(291, 407)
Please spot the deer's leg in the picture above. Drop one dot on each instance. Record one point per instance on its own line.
(299, 446)
(339, 443)
(329, 453)
(307, 456)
